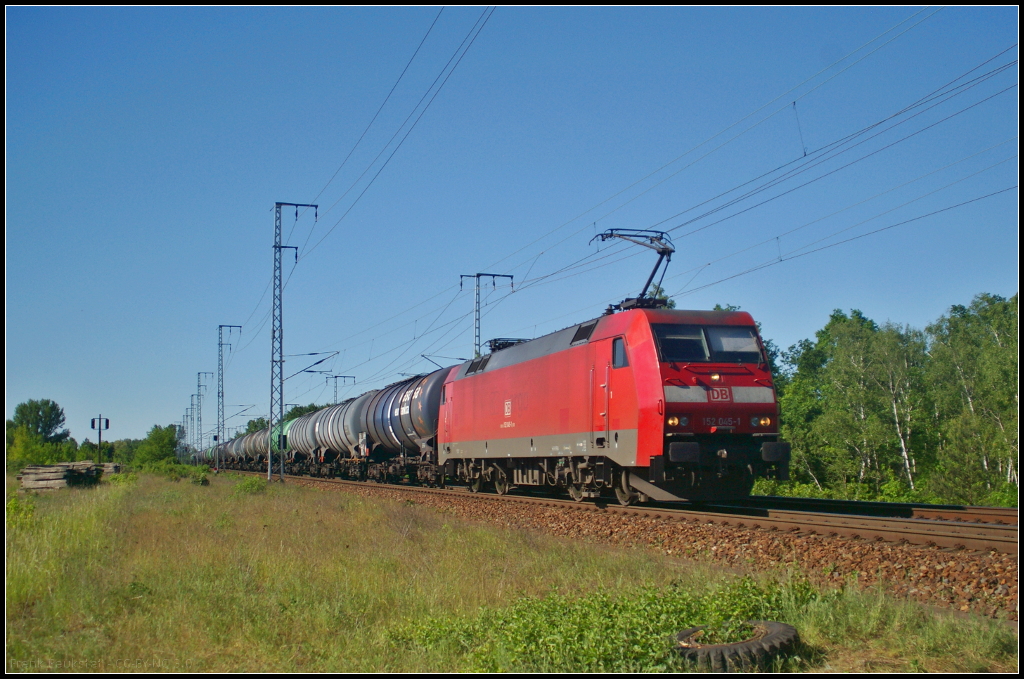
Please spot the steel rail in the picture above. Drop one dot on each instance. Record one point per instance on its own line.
(931, 532)
(1003, 515)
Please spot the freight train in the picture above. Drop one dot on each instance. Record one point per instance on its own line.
(642, 403)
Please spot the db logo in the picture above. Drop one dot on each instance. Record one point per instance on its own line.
(720, 394)
(508, 408)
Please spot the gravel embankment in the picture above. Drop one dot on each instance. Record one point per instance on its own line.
(982, 582)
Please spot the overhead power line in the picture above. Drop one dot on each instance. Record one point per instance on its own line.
(724, 130)
(790, 257)
(783, 95)
(587, 262)
(607, 254)
(379, 109)
(471, 36)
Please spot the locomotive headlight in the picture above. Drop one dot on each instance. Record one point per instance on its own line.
(684, 421)
(760, 421)
(673, 421)
(715, 377)
(755, 421)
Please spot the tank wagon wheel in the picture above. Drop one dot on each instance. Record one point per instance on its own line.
(623, 491)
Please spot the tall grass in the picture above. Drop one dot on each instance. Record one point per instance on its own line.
(162, 575)
(209, 578)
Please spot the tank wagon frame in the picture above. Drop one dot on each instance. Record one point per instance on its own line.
(641, 404)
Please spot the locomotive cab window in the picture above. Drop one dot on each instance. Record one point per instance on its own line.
(681, 343)
(619, 358)
(712, 344)
(734, 344)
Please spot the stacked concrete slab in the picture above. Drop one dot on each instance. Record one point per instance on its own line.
(54, 476)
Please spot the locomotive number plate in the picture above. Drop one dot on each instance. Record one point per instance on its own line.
(720, 421)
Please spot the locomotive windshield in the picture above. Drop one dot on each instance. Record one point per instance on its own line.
(712, 344)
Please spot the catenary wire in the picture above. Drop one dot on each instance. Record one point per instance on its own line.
(537, 257)
(489, 12)
(714, 136)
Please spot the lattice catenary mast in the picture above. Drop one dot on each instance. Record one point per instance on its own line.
(199, 408)
(277, 339)
(220, 384)
(476, 316)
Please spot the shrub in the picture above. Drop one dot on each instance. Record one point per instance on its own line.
(625, 630)
(251, 485)
(123, 479)
(20, 511)
(1004, 496)
(177, 472)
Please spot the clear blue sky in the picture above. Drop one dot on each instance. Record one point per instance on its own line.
(146, 148)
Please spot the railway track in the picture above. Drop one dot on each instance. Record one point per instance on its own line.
(1001, 515)
(935, 530)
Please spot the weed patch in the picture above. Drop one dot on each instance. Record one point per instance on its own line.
(200, 579)
(123, 478)
(251, 485)
(19, 511)
(178, 472)
(622, 630)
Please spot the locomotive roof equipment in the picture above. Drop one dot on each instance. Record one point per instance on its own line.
(655, 240)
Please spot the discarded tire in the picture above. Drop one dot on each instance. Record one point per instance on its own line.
(768, 640)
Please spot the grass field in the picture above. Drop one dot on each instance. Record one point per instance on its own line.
(234, 576)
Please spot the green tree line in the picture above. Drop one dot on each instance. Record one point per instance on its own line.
(260, 423)
(897, 413)
(36, 436)
(873, 411)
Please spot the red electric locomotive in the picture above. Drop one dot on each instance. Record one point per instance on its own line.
(650, 403)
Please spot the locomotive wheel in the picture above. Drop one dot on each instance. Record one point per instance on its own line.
(576, 492)
(501, 484)
(476, 485)
(624, 493)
